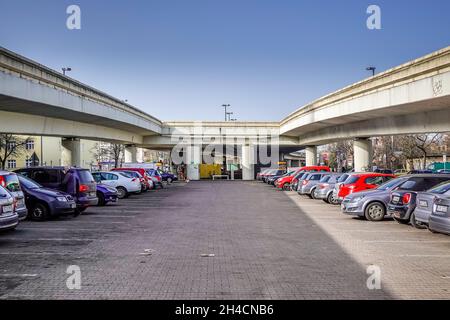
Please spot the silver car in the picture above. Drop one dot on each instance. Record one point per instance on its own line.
(440, 216)
(8, 217)
(10, 182)
(326, 187)
(308, 186)
(371, 204)
(337, 186)
(425, 201)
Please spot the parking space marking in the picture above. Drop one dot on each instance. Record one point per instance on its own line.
(51, 239)
(12, 275)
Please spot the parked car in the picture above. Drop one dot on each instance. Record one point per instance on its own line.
(337, 186)
(9, 219)
(274, 179)
(124, 183)
(403, 201)
(261, 173)
(168, 177)
(296, 180)
(325, 187)
(309, 184)
(400, 172)
(362, 181)
(420, 171)
(156, 177)
(43, 203)
(144, 176)
(272, 173)
(106, 194)
(380, 170)
(10, 182)
(371, 204)
(285, 182)
(440, 216)
(145, 184)
(77, 182)
(425, 203)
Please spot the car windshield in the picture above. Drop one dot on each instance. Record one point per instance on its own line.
(389, 184)
(11, 182)
(441, 189)
(343, 178)
(85, 176)
(28, 183)
(351, 179)
(3, 192)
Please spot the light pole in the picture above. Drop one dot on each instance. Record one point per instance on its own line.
(225, 107)
(64, 70)
(371, 69)
(229, 115)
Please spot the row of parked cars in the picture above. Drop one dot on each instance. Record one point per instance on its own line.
(419, 199)
(40, 193)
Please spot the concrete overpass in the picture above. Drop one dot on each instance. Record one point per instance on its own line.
(411, 98)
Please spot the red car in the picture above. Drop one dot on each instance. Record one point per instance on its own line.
(362, 181)
(285, 182)
(145, 178)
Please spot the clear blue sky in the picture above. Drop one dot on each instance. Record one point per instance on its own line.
(180, 59)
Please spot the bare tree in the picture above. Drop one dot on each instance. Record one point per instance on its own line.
(10, 146)
(424, 142)
(117, 151)
(339, 153)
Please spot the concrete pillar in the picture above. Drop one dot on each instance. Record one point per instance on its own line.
(131, 154)
(74, 146)
(311, 155)
(362, 149)
(248, 162)
(193, 161)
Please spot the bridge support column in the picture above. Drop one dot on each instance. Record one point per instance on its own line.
(131, 154)
(362, 149)
(248, 162)
(311, 156)
(74, 146)
(193, 161)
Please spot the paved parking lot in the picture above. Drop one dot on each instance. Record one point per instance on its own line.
(221, 240)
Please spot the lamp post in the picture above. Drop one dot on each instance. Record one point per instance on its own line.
(371, 69)
(67, 69)
(229, 116)
(225, 107)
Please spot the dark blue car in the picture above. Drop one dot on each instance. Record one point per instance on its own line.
(77, 182)
(106, 194)
(43, 203)
(167, 176)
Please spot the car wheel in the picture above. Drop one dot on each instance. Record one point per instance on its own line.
(39, 212)
(101, 199)
(121, 192)
(314, 193)
(375, 211)
(79, 211)
(286, 187)
(416, 224)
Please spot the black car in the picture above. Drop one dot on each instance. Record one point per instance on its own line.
(273, 173)
(77, 182)
(403, 200)
(43, 203)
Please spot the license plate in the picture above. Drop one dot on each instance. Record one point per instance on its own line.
(423, 203)
(7, 209)
(396, 198)
(73, 205)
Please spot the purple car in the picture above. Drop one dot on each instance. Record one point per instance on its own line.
(106, 194)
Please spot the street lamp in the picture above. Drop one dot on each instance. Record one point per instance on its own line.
(371, 69)
(229, 115)
(226, 106)
(64, 70)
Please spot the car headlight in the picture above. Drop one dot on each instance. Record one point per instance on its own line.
(61, 199)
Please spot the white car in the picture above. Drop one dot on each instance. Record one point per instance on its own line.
(124, 183)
